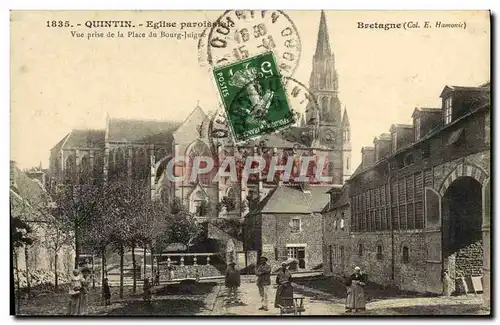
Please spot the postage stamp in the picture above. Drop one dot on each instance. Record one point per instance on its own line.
(254, 97)
(241, 34)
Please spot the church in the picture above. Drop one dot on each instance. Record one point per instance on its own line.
(139, 150)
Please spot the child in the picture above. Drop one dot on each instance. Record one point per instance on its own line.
(106, 292)
(146, 290)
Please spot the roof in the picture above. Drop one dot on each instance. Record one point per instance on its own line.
(402, 126)
(141, 131)
(323, 41)
(277, 141)
(291, 199)
(59, 145)
(425, 110)
(383, 137)
(26, 192)
(84, 139)
(343, 199)
(448, 88)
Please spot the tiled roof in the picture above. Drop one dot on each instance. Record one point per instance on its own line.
(290, 199)
(343, 199)
(59, 145)
(141, 131)
(85, 139)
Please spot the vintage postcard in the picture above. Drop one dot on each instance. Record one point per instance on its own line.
(250, 163)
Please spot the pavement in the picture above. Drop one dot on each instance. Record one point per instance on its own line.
(320, 303)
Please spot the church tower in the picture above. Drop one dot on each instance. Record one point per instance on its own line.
(323, 83)
(346, 147)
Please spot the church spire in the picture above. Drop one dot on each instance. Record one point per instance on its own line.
(323, 43)
(324, 80)
(345, 118)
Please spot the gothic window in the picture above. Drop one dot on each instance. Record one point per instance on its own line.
(140, 164)
(85, 170)
(120, 163)
(70, 169)
(98, 168)
(198, 149)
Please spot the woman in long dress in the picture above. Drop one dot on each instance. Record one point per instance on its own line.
(284, 282)
(74, 292)
(84, 291)
(355, 293)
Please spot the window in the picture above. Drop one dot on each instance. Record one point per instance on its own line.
(295, 225)
(360, 249)
(335, 224)
(346, 135)
(347, 162)
(297, 253)
(417, 128)
(342, 221)
(379, 252)
(394, 138)
(447, 110)
(408, 159)
(406, 255)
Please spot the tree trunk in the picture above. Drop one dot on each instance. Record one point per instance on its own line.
(134, 285)
(145, 248)
(56, 274)
(152, 263)
(93, 273)
(103, 274)
(121, 270)
(26, 261)
(77, 246)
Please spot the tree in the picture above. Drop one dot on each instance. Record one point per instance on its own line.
(56, 237)
(74, 206)
(20, 237)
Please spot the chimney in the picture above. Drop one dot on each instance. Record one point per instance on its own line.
(367, 156)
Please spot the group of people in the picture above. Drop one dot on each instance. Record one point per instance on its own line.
(78, 291)
(355, 283)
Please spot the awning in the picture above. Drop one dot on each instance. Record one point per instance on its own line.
(454, 136)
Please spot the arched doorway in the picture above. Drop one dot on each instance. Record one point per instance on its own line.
(461, 233)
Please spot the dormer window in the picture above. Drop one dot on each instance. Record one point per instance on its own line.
(447, 110)
(417, 128)
(394, 138)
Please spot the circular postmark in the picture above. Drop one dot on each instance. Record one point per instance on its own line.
(247, 121)
(240, 34)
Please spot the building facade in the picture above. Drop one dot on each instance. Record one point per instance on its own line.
(420, 200)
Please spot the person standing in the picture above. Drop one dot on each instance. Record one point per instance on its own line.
(284, 282)
(355, 293)
(74, 292)
(233, 281)
(263, 273)
(84, 291)
(146, 290)
(106, 292)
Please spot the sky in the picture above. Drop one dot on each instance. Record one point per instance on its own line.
(59, 82)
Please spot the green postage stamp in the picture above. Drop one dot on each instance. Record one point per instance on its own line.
(254, 97)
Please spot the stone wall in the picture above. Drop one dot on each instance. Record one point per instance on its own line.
(469, 260)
